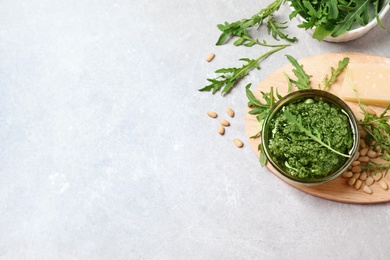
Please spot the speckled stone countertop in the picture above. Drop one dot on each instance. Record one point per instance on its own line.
(106, 151)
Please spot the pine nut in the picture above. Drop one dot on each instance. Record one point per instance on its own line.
(221, 130)
(364, 159)
(210, 57)
(372, 154)
(370, 110)
(347, 174)
(367, 189)
(358, 184)
(230, 112)
(363, 176)
(377, 176)
(369, 181)
(238, 143)
(363, 133)
(383, 184)
(212, 114)
(356, 175)
(355, 163)
(363, 152)
(351, 181)
(224, 122)
(356, 169)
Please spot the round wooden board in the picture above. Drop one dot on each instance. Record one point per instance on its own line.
(318, 67)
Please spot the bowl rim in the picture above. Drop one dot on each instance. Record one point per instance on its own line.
(329, 97)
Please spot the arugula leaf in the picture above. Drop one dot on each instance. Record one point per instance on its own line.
(240, 28)
(274, 28)
(261, 110)
(361, 9)
(316, 138)
(303, 80)
(258, 108)
(334, 73)
(230, 76)
(262, 156)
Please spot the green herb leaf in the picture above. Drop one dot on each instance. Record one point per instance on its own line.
(327, 82)
(316, 138)
(258, 108)
(230, 76)
(262, 156)
(303, 80)
(240, 28)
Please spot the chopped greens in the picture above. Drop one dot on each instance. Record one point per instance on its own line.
(309, 138)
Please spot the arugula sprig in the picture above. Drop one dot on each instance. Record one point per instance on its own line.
(261, 110)
(240, 28)
(229, 76)
(303, 80)
(258, 108)
(315, 137)
(327, 81)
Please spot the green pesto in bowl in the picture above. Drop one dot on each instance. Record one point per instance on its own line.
(310, 136)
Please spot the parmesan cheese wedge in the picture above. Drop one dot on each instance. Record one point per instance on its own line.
(371, 81)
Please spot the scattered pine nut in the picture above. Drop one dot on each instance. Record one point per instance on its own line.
(363, 176)
(370, 110)
(363, 143)
(356, 175)
(367, 189)
(358, 184)
(210, 57)
(230, 112)
(383, 184)
(356, 169)
(224, 122)
(351, 181)
(212, 114)
(355, 163)
(369, 181)
(377, 176)
(363, 152)
(347, 174)
(238, 143)
(221, 130)
(364, 159)
(372, 154)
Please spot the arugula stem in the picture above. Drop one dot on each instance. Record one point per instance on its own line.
(292, 119)
(229, 77)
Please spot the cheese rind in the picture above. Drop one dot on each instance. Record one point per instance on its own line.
(372, 82)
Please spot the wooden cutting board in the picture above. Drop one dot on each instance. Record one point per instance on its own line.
(318, 67)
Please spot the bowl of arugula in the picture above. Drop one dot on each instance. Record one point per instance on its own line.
(339, 21)
(310, 136)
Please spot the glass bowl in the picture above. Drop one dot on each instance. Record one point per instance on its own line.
(357, 30)
(314, 94)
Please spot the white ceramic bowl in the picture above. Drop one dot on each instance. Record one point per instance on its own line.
(354, 33)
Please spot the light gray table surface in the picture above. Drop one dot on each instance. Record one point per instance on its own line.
(106, 151)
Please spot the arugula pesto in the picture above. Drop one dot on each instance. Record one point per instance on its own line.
(293, 145)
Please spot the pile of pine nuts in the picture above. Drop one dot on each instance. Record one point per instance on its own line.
(358, 177)
(225, 123)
